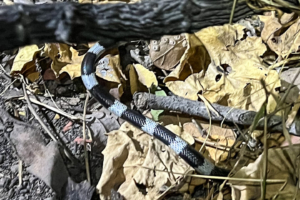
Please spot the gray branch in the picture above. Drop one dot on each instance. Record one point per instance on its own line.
(196, 108)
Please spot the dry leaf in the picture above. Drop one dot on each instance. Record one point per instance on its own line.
(135, 85)
(127, 151)
(145, 76)
(190, 88)
(281, 165)
(194, 60)
(287, 41)
(109, 69)
(64, 59)
(166, 52)
(286, 18)
(220, 136)
(271, 25)
(24, 62)
(233, 77)
(74, 67)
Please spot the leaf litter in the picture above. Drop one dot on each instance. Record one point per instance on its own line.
(226, 65)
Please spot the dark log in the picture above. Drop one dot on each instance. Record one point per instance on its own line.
(109, 23)
(113, 22)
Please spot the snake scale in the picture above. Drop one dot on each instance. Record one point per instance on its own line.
(178, 145)
(186, 152)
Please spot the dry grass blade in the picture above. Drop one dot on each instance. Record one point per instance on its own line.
(249, 181)
(61, 112)
(86, 156)
(20, 174)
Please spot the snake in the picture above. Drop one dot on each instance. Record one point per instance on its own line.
(195, 159)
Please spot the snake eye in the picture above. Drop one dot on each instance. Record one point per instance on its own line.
(154, 41)
(156, 48)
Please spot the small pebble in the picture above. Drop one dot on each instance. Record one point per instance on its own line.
(32, 180)
(19, 188)
(14, 169)
(23, 191)
(22, 198)
(50, 198)
(13, 182)
(1, 159)
(3, 182)
(11, 193)
(25, 178)
(9, 129)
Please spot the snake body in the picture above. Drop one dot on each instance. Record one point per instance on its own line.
(207, 12)
(178, 145)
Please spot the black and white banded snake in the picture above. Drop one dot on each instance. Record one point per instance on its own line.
(185, 151)
(179, 146)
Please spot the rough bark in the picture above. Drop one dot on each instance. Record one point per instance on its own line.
(196, 108)
(109, 23)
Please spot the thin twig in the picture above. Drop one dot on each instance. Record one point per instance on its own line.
(215, 177)
(209, 129)
(59, 142)
(72, 117)
(36, 115)
(7, 87)
(20, 174)
(232, 11)
(86, 156)
(265, 153)
(283, 62)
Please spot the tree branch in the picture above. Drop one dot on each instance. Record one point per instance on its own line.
(196, 108)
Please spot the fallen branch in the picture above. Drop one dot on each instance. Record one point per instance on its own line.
(197, 108)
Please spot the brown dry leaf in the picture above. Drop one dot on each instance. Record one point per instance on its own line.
(233, 77)
(146, 77)
(24, 62)
(293, 113)
(194, 59)
(219, 136)
(282, 163)
(287, 41)
(271, 25)
(166, 52)
(74, 67)
(222, 42)
(141, 79)
(190, 88)
(109, 69)
(127, 151)
(286, 18)
(64, 59)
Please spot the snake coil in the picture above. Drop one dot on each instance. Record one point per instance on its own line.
(181, 148)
